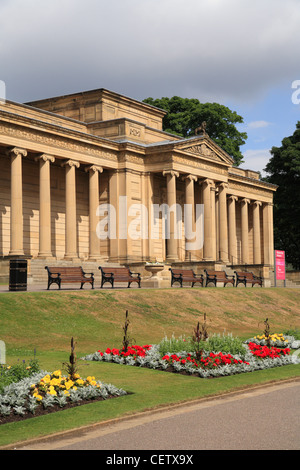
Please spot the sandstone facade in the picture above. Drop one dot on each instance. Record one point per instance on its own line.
(63, 158)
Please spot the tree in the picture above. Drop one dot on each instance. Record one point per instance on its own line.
(184, 115)
(283, 170)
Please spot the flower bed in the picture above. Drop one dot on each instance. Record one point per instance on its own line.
(211, 364)
(44, 392)
(207, 362)
(10, 374)
(263, 351)
(276, 339)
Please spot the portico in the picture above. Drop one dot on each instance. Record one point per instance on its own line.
(57, 169)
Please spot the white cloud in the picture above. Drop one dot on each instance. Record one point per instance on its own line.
(258, 124)
(256, 160)
(209, 49)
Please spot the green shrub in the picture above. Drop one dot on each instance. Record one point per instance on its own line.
(225, 343)
(295, 333)
(173, 345)
(17, 372)
(215, 343)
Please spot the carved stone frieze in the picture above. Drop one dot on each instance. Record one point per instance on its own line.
(210, 166)
(250, 189)
(64, 143)
(126, 157)
(203, 151)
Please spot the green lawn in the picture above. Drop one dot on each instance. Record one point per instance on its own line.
(47, 321)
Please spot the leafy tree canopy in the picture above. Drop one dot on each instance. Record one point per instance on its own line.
(283, 170)
(185, 115)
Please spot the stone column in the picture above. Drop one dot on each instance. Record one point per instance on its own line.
(94, 241)
(71, 215)
(245, 231)
(223, 232)
(146, 217)
(256, 233)
(232, 229)
(268, 234)
(213, 191)
(45, 206)
(208, 239)
(113, 218)
(171, 201)
(16, 209)
(190, 201)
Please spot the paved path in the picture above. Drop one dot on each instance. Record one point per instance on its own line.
(263, 418)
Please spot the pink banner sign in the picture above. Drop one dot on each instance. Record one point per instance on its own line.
(280, 264)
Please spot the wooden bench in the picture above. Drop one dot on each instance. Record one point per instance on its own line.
(247, 278)
(68, 274)
(185, 275)
(218, 276)
(119, 275)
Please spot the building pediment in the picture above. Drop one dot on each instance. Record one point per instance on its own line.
(202, 147)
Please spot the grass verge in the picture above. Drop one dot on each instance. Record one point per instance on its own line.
(47, 321)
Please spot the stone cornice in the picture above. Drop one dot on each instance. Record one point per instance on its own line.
(46, 127)
(58, 140)
(251, 182)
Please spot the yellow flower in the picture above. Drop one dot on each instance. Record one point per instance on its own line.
(69, 384)
(89, 378)
(39, 397)
(55, 382)
(57, 373)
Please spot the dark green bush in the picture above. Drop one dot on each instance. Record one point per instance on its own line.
(17, 372)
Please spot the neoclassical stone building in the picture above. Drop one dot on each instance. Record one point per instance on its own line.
(62, 158)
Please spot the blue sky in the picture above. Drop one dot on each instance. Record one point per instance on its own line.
(244, 54)
(267, 121)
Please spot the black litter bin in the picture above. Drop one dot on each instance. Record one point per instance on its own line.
(18, 274)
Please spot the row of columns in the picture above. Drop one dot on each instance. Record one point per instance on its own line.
(16, 215)
(227, 235)
(227, 231)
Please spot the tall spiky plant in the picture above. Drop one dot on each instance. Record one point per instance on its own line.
(126, 339)
(71, 367)
(199, 337)
(267, 332)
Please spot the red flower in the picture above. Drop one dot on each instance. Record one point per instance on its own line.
(264, 351)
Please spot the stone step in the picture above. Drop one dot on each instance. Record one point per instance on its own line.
(39, 275)
(288, 283)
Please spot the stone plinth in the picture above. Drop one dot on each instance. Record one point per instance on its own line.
(159, 278)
